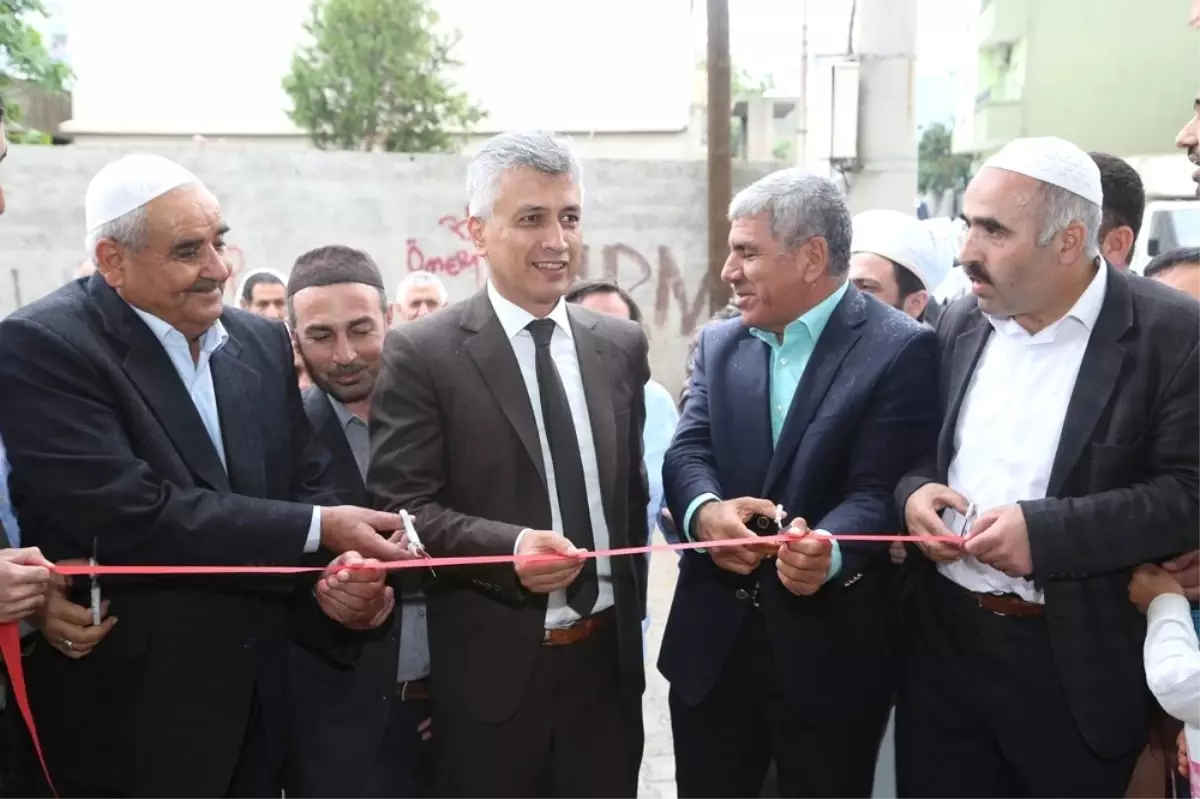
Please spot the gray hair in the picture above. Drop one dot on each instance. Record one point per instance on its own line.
(1060, 208)
(533, 150)
(801, 205)
(415, 279)
(128, 230)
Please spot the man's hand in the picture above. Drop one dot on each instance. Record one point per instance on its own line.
(353, 592)
(542, 578)
(1000, 539)
(1186, 569)
(803, 564)
(24, 580)
(67, 626)
(719, 521)
(348, 528)
(1150, 582)
(923, 516)
(1181, 754)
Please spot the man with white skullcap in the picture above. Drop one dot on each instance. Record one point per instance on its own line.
(264, 292)
(896, 258)
(1068, 456)
(148, 424)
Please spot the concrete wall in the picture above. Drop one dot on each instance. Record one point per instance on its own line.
(644, 222)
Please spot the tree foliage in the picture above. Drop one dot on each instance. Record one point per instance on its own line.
(25, 58)
(938, 168)
(373, 78)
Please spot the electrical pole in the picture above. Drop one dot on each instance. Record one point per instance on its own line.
(720, 150)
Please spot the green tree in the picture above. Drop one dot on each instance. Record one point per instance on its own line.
(938, 168)
(25, 59)
(372, 78)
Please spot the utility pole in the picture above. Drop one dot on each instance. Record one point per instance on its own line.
(720, 150)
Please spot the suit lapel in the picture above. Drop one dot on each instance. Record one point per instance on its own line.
(1099, 373)
(329, 430)
(839, 337)
(968, 347)
(236, 387)
(154, 376)
(592, 351)
(493, 354)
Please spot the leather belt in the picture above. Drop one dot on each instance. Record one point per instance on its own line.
(562, 636)
(1008, 605)
(412, 689)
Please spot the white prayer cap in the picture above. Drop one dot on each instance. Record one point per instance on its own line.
(1054, 161)
(129, 183)
(903, 239)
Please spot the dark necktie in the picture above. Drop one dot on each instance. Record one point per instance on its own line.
(568, 467)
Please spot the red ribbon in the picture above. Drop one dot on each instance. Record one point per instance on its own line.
(10, 636)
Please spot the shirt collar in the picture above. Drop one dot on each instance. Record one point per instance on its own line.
(344, 414)
(513, 318)
(812, 321)
(212, 340)
(1085, 311)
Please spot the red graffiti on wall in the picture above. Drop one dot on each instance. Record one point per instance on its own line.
(451, 264)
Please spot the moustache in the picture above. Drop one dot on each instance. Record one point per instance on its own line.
(349, 370)
(975, 271)
(205, 285)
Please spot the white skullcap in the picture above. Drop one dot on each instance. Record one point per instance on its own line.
(129, 183)
(1054, 161)
(905, 240)
(282, 278)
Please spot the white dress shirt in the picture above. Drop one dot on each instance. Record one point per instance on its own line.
(1010, 423)
(562, 349)
(1172, 657)
(197, 379)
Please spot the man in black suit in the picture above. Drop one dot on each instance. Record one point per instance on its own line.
(512, 423)
(148, 424)
(1068, 455)
(359, 730)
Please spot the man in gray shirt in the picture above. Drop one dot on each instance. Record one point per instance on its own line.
(339, 315)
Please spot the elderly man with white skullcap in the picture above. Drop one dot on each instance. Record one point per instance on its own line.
(1067, 457)
(897, 259)
(148, 424)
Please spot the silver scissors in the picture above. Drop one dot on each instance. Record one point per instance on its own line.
(95, 581)
(414, 541)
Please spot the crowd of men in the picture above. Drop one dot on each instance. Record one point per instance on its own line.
(1048, 421)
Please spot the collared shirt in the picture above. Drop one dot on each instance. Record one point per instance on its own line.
(513, 319)
(197, 379)
(414, 639)
(8, 517)
(1011, 421)
(789, 358)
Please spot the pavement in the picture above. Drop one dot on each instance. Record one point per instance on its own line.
(657, 779)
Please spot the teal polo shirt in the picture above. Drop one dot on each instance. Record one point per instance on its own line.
(789, 358)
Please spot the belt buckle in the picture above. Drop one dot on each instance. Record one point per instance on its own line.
(404, 690)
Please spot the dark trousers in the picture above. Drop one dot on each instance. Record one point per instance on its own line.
(724, 745)
(404, 765)
(574, 734)
(981, 711)
(256, 775)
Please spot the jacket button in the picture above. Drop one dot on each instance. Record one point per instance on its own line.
(742, 593)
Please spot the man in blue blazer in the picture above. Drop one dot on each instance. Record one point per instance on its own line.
(819, 398)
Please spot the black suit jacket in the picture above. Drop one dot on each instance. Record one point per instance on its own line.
(863, 415)
(107, 448)
(339, 709)
(454, 440)
(1122, 492)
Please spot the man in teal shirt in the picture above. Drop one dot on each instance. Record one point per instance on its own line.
(817, 399)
